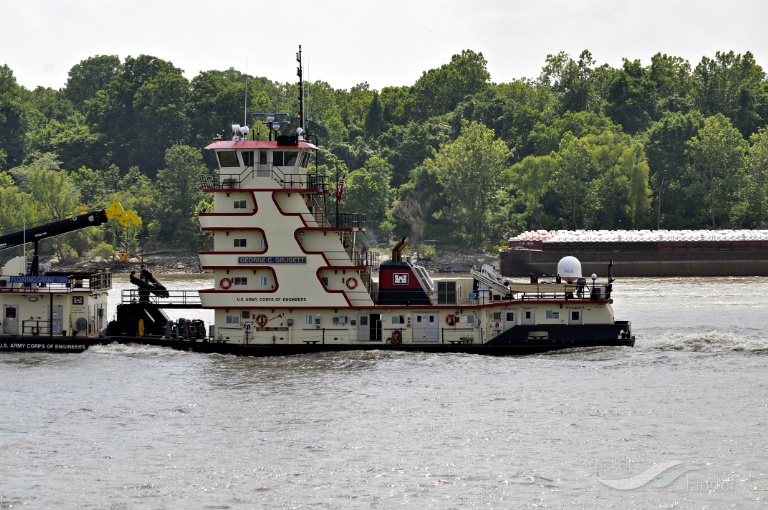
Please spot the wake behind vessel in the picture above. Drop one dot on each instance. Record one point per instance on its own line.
(291, 278)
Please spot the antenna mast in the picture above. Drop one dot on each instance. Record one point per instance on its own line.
(245, 102)
(299, 73)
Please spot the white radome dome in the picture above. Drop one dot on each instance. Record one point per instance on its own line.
(569, 269)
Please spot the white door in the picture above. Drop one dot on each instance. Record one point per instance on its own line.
(425, 327)
(56, 318)
(575, 315)
(510, 318)
(528, 317)
(10, 320)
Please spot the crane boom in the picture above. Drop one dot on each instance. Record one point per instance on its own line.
(92, 219)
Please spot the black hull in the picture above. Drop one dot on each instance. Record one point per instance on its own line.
(508, 348)
(521, 263)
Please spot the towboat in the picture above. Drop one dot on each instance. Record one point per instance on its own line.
(293, 276)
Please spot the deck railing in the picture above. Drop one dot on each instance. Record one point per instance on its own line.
(316, 182)
(176, 298)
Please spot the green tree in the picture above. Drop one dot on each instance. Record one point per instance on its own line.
(13, 123)
(12, 204)
(533, 178)
(119, 114)
(136, 192)
(717, 154)
(216, 102)
(419, 200)
(668, 161)
(368, 190)
(179, 193)
(406, 147)
(470, 170)
(631, 97)
(730, 84)
(354, 106)
(53, 194)
(511, 110)
(545, 139)
(374, 117)
(574, 172)
(671, 77)
(438, 91)
(752, 208)
(324, 114)
(578, 84)
(621, 182)
(90, 76)
(395, 103)
(161, 120)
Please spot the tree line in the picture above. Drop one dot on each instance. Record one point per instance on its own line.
(454, 158)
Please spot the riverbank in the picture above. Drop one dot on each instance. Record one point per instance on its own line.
(158, 263)
(176, 263)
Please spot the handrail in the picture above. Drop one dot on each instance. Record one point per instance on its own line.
(349, 220)
(175, 297)
(285, 180)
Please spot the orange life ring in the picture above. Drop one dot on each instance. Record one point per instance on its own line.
(397, 337)
(261, 320)
(451, 319)
(225, 283)
(351, 283)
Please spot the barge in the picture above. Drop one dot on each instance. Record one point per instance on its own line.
(641, 252)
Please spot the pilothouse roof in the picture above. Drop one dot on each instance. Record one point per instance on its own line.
(257, 144)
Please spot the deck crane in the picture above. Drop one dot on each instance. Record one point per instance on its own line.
(92, 219)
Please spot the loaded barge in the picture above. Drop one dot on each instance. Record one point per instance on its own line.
(641, 252)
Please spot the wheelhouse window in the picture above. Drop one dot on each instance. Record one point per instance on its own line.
(247, 158)
(284, 158)
(228, 159)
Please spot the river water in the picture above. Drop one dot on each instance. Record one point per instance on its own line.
(679, 421)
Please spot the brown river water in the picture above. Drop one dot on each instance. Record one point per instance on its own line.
(679, 421)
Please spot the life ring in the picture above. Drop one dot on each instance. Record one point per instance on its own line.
(351, 283)
(261, 320)
(225, 283)
(451, 319)
(397, 337)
